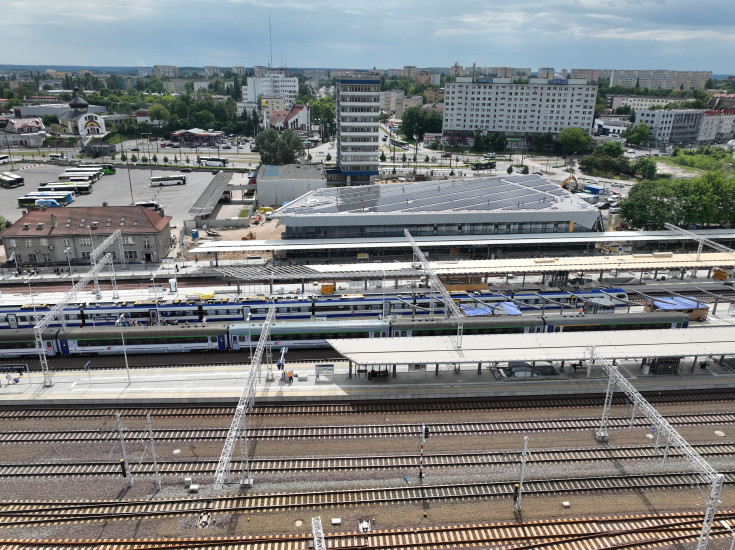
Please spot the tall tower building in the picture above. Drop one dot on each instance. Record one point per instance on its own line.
(358, 128)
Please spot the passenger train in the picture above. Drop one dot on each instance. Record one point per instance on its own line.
(293, 308)
(107, 340)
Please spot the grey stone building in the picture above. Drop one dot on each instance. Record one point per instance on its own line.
(56, 236)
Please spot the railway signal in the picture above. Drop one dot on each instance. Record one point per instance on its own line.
(123, 468)
(426, 432)
(424, 435)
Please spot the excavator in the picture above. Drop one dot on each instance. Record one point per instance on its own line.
(567, 184)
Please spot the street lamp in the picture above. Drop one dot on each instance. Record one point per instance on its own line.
(33, 302)
(158, 313)
(121, 322)
(68, 259)
(91, 243)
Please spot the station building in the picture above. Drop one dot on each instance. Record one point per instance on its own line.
(488, 206)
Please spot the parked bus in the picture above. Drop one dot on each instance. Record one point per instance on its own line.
(19, 180)
(47, 203)
(4, 159)
(106, 168)
(8, 183)
(213, 161)
(62, 197)
(76, 177)
(96, 173)
(56, 156)
(175, 179)
(79, 187)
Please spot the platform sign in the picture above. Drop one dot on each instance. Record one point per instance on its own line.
(324, 368)
(14, 368)
(417, 366)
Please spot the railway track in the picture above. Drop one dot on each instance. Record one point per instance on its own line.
(341, 409)
(634, 531)
(354, 463)
(39, 513)
(357, 431)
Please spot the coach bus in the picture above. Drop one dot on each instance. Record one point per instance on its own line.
(19, 180)
(175, 179)
(62, 197)
(96, 173)
(9, 182)
(107, 169)
(213, 161)
(79, 187)
(76, 177)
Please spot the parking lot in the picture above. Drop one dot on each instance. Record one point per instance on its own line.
(114, 189)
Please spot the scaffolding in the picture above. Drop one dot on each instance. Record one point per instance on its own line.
(660, 425)
(244, 406)
(451, 306)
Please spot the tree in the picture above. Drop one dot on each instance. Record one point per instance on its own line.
(646, 167)
(123, 157)
(610, 148)
(154, 158)
(382, 156)
(329, 157)
(48, 120)
(275, 148)
(134, 158)
(574, 140)
(144, 159)
(158, 112)
(525, 169)
(165, 160)
(403, 158)
(637, 134)
(510, 169)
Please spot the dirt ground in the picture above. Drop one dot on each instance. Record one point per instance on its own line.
(267, 230)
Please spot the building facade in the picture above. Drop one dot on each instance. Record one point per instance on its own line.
(388, 99)
(499, 105)
(56, 236)
(677, 126)
(660, 79)
(358, 128)
(161, 71)
(27, 132)
(210, 71)
(717, 126)
(272, 84)
(637, 102)
(78, 120)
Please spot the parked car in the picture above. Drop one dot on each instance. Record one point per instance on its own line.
(135, 149)
(186, 169)
(603, 206)
(539, 173)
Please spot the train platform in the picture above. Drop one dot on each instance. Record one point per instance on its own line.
(222, 384)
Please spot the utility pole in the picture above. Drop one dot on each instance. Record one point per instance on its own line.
(124, 462)
(153, 451)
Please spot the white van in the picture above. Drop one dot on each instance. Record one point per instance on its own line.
(255, 260)
(153, 205)
(56, 156)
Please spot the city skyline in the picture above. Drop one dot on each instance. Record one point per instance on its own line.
(665, 34)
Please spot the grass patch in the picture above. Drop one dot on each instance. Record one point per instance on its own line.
(244, 213)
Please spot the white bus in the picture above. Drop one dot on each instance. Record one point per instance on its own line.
(175, 179)
(105, 168)
(76, 177)
(97, 173)
(213, 161)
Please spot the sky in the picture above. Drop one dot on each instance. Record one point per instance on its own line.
(601, 34)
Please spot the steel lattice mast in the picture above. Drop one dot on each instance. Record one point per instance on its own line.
(247, 398)
(436, 283)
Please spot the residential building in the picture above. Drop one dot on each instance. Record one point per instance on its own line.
(546, 72)
(422, 77)
(403, 103)
(240, 70)
(201, 85)
(676, 126)
(499, 105)
(54, 236)
(435, 79)
(611, 127)
(388, 99)
(128, 82)
(592, 75)
(638, 102)
(717, 126)
(211, 71)
(272, 84)
(145, 71)
(52, 84)
(722, 101)
(79, 120)
(410, 71)
(660, 79)
(174, 86)
(358, 107)
(162, 71)
(434, 96)
(28, 132)
(268, 105)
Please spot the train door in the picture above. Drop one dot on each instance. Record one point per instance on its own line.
(245, 313)
(12, 320)
(64, 347)
(221, 343)
(537, 329)
(200, 312)
(152, 317)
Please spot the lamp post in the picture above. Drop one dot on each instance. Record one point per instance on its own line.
(250, 339)
(91, 243)
(68, 260)
(158, 313)
(121, 322)
(33, 302)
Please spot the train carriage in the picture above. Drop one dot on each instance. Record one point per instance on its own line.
(138, 340)
(22, 343)
(629, 321)
(309, 334)
(471, 325)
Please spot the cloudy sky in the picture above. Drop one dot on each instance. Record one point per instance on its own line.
(634, 34)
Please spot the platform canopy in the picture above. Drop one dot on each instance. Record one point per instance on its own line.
(625, 344)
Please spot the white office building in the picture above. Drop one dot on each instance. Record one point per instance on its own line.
(499, 105)
(272, 84)
(358, 128)
(677, 126)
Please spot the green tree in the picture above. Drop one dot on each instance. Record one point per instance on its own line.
(610, 148)
(574, 140)
(646, 167)
(275, 148)
(144, 159)
(525, 169)
(165, 160)
(154, 158)
(635, 135)
(329, 157)
(158, 112)
(134, 158)
(123, 156)
(403, 158)
(510, 169)
(382, 156)
(48, 120)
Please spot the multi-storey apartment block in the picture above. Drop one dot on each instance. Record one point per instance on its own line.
(678, 126)
(499, 105)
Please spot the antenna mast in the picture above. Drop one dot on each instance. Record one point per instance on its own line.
(270, 39)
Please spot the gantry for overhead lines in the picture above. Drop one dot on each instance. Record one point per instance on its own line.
(663, 429)
(58, 311)
(436, 284)
(245, 405)
(117, 234)
(702, 240)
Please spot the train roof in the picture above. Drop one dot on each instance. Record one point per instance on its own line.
(290, 327)
(210, 329)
